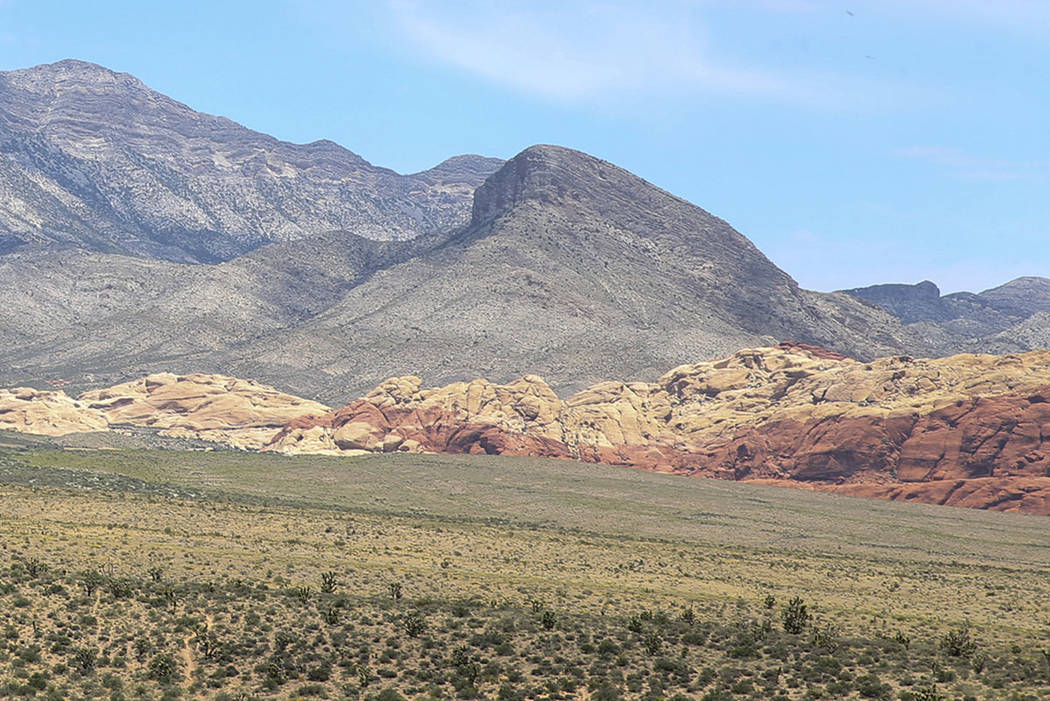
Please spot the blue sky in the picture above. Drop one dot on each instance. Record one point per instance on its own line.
(854, 142)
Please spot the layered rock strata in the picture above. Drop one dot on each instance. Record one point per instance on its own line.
(45, 413)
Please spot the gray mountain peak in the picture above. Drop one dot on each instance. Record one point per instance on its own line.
(95, 159)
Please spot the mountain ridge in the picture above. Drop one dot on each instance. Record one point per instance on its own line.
(323, 274)
(96, 157)
(988, 321)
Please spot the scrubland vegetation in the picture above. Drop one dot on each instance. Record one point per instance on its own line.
(168, 574)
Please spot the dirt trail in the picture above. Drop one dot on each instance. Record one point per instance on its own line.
(186, 653)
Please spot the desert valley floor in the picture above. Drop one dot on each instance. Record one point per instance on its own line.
(144, 573)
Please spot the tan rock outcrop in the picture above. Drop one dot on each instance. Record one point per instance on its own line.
(521, 417)
(240, 413)
(47, 413)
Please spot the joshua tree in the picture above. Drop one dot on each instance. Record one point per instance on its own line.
(171, 598)
(796, 616)
(328, 582)
(958, 643)
(34, 567)
(414, 623)
(163, 668)
(90, 581)
(208, 644)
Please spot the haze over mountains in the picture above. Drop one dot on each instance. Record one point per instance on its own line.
(138, 235)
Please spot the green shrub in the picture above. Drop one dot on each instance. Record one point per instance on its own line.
(163, 668)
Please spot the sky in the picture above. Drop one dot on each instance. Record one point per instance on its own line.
(854, 142)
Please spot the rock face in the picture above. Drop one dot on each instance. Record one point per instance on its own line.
(238, 413)
(47, 413)
(965, 430)
(96, 159)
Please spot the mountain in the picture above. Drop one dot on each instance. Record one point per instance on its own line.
(95, 159)
(139, 236)
(1013, 317)
(100, 318)
(572, 268)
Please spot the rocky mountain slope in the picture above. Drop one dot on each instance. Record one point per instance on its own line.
(99, 318)
(574, 269)
(95, 159)
(1010, 318)
(138, 236)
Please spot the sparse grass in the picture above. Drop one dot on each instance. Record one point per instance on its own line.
(204, 574)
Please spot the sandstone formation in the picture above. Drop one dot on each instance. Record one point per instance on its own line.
(1017, 494)
(47, 413)
(240, 413)
(964, 430)
(968, 430)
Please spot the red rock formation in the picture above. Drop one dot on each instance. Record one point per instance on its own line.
(1022, 495)
(809, 348)
(965, 431)
(982, 437)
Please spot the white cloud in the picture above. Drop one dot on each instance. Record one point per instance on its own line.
(971, 167)
(615, 51)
